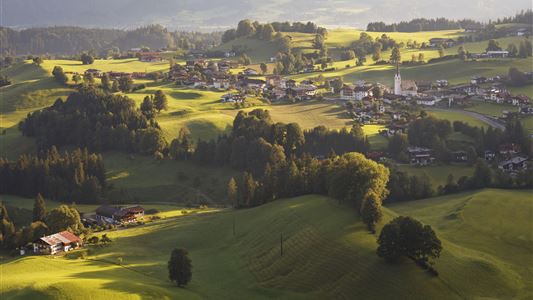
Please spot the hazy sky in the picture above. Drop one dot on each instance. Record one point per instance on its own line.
(208, 14)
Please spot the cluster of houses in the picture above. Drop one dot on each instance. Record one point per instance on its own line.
(509, 158)
(112, 74)
(65, 241)
(107, 214)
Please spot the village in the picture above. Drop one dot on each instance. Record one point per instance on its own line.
(365, 102)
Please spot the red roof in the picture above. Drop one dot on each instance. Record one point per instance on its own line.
(64, 237)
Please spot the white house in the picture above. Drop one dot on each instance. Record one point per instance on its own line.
(59, 242)
(498, 54)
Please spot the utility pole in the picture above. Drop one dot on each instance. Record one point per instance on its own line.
(281, 244)
(233, 225)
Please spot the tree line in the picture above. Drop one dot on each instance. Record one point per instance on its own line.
(96, 120)
(72, 40)
(73, 176)
(421, 24)
(350, 178)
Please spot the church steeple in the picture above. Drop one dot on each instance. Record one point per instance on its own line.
(397, 80)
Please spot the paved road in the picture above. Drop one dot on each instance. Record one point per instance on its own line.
(491, 121)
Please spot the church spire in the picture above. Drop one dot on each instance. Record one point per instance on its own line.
(397, 68)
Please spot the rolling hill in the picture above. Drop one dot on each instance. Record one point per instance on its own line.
(327, 253)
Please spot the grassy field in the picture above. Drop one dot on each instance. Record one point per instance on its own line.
(335, 259)
(491, 109)
(439, 174)
(528, 124)
(148, 180)
(107, 65)
(457, 116)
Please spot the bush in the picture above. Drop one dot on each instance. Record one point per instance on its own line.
(152, 211)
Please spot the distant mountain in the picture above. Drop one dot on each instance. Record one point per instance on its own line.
(207, 15)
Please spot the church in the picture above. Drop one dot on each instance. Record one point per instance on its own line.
(405, 88)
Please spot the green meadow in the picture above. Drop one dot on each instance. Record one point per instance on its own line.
(327, 253)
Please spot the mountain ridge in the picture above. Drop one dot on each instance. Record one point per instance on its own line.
(209, 15)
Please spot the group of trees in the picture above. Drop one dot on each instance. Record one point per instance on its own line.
(153, 103)
(421, 24)
(59, 75)
(43, 223)
(96, 120)
(351, 178)
(267, 31)
(86, 58)
(522, 17)
(104, 42)
(427, 131)
(407, 237)
(366, 45)
(256, 140)
(74, 176)
(517, 77)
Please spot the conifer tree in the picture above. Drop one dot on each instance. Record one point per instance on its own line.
(39, 208)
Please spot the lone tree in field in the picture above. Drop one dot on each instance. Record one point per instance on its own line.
(371, 211)
(147, 107)
(264, 68)
(407, 237)
(180, 267)
(86, 59)
(38, 60)
(125, 84)
(39, 209)
(232, 192)
(396, 56)
(59, 75)
(160, 101)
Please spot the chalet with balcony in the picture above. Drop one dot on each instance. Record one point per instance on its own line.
(56, 243)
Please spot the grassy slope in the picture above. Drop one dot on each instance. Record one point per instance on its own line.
(32, 88)
(438, 175)
(257, 50)
(327, 253)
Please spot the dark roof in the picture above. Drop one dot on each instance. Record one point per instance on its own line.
(254, 81)
(107, 211)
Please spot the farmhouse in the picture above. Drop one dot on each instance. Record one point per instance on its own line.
(276, 81)
(489, 155)
(249, 72)
(221, 82)
(93, 72)
(303, 91)
(59, 242)
(232, 98)
(349, 92)
(435, 42)
(513, 165)
(419, 156)
(118, 214)
(460, 156)
(150, 57)
(253, 83)
(426, 101)
(497, 54)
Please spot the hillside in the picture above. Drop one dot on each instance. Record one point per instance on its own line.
(327, 252)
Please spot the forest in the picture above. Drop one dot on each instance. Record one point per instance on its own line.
(74, 40)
